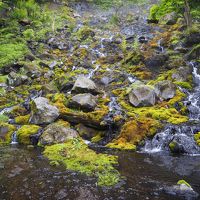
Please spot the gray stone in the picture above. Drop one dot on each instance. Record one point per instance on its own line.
(165, 89)
(86, 102)
(42, 112)
(84, 85)
(57, 133)
(142, 95)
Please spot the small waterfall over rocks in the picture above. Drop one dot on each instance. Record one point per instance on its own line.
(180, 137)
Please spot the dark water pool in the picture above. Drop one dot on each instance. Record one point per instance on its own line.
(25, 174)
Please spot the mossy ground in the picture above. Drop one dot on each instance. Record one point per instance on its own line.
(75, 155)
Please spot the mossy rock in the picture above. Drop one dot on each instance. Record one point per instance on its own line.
(22, 119)
(24, 133)
(197, 138)
(6, 131)
(183, 182)
(75, 155)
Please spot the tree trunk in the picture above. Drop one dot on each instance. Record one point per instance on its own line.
(187, 15)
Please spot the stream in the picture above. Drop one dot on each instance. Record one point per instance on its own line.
(150, 173)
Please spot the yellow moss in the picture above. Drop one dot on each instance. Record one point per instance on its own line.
(22, 119)
(24, 133)
(63, 123)
(134, 131)
(9, 130)
(97, 138)
(121, 144)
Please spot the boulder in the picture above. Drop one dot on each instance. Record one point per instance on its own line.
(142, 95)
(192, 39)
(86, 102)
(170, 18)
(156, 61)
(57, 133)
(84, 85)
(165, 89)
(42, 112)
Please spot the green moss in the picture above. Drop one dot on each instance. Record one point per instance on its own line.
(24, 133)
(197, 138)
(185, 85)
(84, 32)
(75, 155)
(4, 118)
(29, 34)
(8, 130)
(180, 182)
(3, 79)
(172, 146)
(22, 119)
(10, 53)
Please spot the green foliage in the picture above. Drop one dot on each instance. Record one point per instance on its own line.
(11, 52)
(29, 34)
(75, 155)
(26, 10)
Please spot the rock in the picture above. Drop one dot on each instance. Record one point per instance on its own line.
(57, 133)
(175, 147)
(165, 89)
(15, 79)
(84, 85)
(86, 102)
(49, 74)
(142, 95)
(192, 39)
(32, 70)
(88, 132)
(42, 112)
(52, 65)
(194, 54)
(182, 73)
(156, 61)
(170, 18)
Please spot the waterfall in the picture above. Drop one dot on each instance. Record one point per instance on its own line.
(14, 138)
(180, 135)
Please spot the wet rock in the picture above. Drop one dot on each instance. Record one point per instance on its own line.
(42, 112)
(156, 61)
(57, 133)
(142, 95)
(183, 189)
(175, 147)
(15, 79)
(165, 89)
(84, 85)
(86, 102)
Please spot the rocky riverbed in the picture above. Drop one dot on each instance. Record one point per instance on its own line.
(105, 107)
